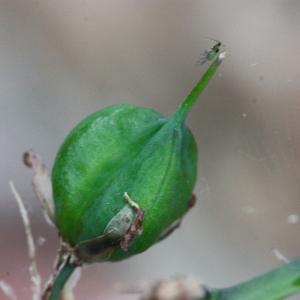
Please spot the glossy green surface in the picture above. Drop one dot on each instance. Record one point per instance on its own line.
(123, 148)
(126, 148)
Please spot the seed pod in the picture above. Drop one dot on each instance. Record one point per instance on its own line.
(125, 149)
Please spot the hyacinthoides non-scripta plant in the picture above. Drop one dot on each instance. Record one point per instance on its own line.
(122, 181)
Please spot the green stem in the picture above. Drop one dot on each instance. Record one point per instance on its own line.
(277, 284)
(61, 279)
(189, 101)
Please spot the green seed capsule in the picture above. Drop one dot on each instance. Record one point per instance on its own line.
(132, 151)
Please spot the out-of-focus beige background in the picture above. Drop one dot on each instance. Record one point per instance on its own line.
(61, 60)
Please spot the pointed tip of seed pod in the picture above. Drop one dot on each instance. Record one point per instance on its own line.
(182, 111)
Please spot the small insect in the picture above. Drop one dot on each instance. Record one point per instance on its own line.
(209, 55)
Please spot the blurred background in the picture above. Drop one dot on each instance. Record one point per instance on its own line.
(64, 59)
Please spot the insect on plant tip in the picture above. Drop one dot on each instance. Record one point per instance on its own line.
(211, 54)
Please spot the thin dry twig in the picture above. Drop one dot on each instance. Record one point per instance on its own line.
(43, 190)
(41, 184)
(8, 290)
(33, 270)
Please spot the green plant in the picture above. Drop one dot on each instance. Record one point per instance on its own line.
(120, 149)
(122, 181)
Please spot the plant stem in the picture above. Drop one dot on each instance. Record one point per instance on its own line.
(189, 101)
(277, 284)
(63, 275)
